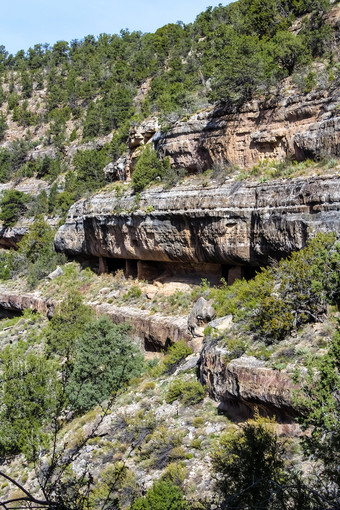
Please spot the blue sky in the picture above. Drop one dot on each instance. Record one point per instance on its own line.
(24, 23)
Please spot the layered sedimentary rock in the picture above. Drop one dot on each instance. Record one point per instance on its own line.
(288, 125)
(154, 332)
(244, 383)
(10, 237)
(20, 301)
(238, 223)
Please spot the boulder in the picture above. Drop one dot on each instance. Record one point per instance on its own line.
(57, 272)
(201, 313)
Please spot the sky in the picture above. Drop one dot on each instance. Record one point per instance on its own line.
(24, 23)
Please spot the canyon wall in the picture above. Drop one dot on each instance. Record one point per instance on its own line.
(236, 224)
(153, 332)
(286, 125)
(240, 385)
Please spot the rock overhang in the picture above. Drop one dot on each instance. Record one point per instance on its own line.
(237, 223)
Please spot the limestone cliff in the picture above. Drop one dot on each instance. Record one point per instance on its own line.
(238, 223)
(153, 332)
(293, 125)
(244, 383)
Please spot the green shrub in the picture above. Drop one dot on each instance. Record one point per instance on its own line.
(282, 298)
(48, 168)
(161, 447)
(163, 495)
(172, 176)
(28, 396)
(148, 386)
(89, 167)
(66, 326)
(13, 100)
(148, 168)
(249, 464)
(176, 353)
(73, 135)
(13, 206)
(3, 126)
(175, 473)
(196, 443)
(105, 359)
(197, 422)
(189, 393)
(132, 294)
(6, 264)
(36, 253)
(38, 205)
(236, 347)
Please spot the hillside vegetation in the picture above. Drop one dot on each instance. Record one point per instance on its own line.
(87, 420)
(72, 94)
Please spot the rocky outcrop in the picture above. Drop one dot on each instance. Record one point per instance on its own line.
(40, 152)
(30, 186)
(154, 332)
(96, 144)
(116, 171)
(18, 302)
(238, 223)
(294, 125)
(143, 133)
(201, 313)
(244, 383)
(10, 237)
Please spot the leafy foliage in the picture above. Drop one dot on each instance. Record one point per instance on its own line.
(188, 392)
(249, 464)
(105, 360)
(35, 258)
(162, 496)
(28, 394)
(89, 165)
(66, 326)
(3, 126)
(12, 207)
(282, 298)
(148, 168)
(37, 250)
(321, 411)
(41, 168)
(11, 160)
(175, 354)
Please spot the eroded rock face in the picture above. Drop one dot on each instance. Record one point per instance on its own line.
(30, 185)
(238, 223)
(154, 332)
(294, 125)
(10, 237)
(142, 133)
(18, 302)
(245, 383)
(115, 171)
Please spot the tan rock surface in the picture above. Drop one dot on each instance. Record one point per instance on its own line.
(291, 125)
(236, 223)
(245, 383)
(154, 332)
